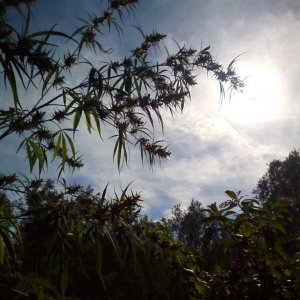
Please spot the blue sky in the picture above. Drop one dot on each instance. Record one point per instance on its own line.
(214, 147)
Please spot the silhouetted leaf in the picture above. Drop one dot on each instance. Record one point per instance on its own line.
(76, 119)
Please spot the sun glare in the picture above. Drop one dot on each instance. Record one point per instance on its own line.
(260, 99)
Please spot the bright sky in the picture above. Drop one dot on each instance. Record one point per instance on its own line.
(215, 147)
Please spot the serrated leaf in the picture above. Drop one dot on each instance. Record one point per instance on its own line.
(46, 81)
(71, 144)
(120, 152)
(36, 149)
(30, 157)
(64, 151)
(128, 84)
(103, 194)
(76, 120)
(88, 121)
(13, 85)
(9, 74)
(137, 87)
(64, 97)
(142, 153)
(115, 148)
(57, 146)
(125, 153)
(149, 116)
(34, 152)
(97, 122)
(70, 105)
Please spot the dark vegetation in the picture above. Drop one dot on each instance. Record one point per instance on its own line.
(69, 242)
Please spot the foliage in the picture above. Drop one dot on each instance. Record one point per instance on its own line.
(127, 95)
(186, 225)
(260, 257)
(249, 249)
(282, 179)
(62, 237)
(76, 236)
(68, 242)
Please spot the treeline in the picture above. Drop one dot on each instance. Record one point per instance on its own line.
(73, 243)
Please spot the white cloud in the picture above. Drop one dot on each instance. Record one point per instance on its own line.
(213, 149)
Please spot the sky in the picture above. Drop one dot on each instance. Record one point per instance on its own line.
(215, 146)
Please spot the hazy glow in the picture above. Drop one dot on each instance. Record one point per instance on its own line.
(260, 100)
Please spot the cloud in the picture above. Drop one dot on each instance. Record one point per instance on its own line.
(213, 149)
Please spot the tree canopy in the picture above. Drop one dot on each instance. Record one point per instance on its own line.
(186, 225)
(282, 179)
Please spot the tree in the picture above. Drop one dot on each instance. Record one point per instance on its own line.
(282, 179)
(127, 95)
(186, 225)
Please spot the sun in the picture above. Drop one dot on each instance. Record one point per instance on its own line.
(260, 99)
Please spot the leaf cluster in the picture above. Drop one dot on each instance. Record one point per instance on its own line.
(60, 238)
(127, 95)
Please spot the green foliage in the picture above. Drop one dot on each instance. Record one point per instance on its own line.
(249, 249)
(186, 225)
(9, 233)
(282, 179)
(59, 237)
(76, 236)
(259, 258)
